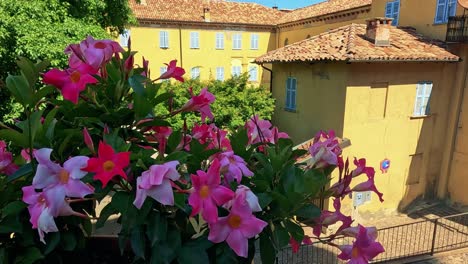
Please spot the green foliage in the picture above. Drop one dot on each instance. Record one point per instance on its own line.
(236, 101)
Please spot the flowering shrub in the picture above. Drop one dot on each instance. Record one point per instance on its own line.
(192, 195)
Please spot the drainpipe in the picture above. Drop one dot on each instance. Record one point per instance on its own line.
(271, 77)
(180, 46)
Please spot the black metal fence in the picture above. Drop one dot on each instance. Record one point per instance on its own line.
(420, 238)
(457, 29)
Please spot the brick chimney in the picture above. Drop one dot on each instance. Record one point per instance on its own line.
(143, 2)
(378, 31)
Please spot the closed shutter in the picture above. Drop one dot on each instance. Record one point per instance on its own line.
(440, 11)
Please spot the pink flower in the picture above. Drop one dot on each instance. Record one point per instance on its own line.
(237, 228)
(363, 250)
(233, 167)
(39, 207)
(329, 218)
(354, 232)
(200, 103)
(368, 185)
(325, 150)
(250, 198)
(156, 183)
(108, 164)
(7, 166)
(71, 82)
(207, 193)
(128, 65)
(361, 168)
(145, 68)
(65, 180)
(173, 72)
(295, 245)
(161, 135)
(261, 131)
(341, 188)
(93, 52)
(88, 140)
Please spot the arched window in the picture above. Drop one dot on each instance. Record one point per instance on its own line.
(308, 36)
(286, 42)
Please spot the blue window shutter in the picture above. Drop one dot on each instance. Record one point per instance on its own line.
(440, 11)
(288, 81)
(389, 9)
(396, 12)
(293, 93)
(452, 8)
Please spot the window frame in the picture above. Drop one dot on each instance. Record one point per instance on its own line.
(254, 41)
(446, 5)
(237, 40)
(424, 110)
(233, 73)
(253, 68)
(218, 71)
(164, 39)
(195, 69)
(124, 37)
(291, 94)
(219, 39)
(195, 40)
(390, 11)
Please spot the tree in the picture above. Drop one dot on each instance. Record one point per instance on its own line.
(41, 29)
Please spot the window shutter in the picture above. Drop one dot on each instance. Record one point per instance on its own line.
(389, 9)
(440, 11)
(396, 12)
(288, 93)
(293, 92)
(452, 8)
(163, 39)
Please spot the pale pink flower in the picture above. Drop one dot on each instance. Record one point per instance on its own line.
(237, 228)
(250, 198)
(64, 180)
(329, 218)
(93, 52)
(156, 183)
(207, 193)
(233, 167)
(7, 166)
(363, 249)
(200, 103)
(325, 150)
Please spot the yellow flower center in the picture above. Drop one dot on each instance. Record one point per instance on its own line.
(63, 176)
(75, 76)
(100, 45)
(234, 221)
(108, 166)
(355, 252)
(204, 191)
(41, 200)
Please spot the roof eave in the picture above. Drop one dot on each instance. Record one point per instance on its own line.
(203, 23)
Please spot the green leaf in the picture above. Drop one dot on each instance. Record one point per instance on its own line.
(14, 136)
(29, 256)
(239, 143)
(162, 98)
(264, 199)
(178, 155)
(10, 224)
(308, 211)
(120, 202)
(154, 122)
(68, 241)
(20, 89)
(156, 228)
(295, 230)
(117, 143)
(281, 236)
(106, 212)
(13, 208)
(137, 239)
(52, 241)
(136, 82)
(193, 253)
(267, 250)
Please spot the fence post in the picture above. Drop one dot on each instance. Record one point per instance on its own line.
(434, 235)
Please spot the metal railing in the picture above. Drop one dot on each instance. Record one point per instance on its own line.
(425, 237)
(457, 29)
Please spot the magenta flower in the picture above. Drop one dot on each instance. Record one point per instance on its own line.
(295, 245)
(88, 140)
(200, 103)
(64, 180)
(363, 250)
(207, 193)
(39, 207)
(71, 82)
(329, 218)
(233, 167)
(156, 183)
(368, 185)
(93, 52)
(128, 65)
(361, 168)
(250, 198)
(161, 135)
(237, 228)
(211, 135)
(261, 131)
(173, 72)
(354, 232)
(325, 150)
(7, 166)
(145, 68)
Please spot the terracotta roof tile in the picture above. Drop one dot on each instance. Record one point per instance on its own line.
(324, 8)
(192, 11)
(348, 43)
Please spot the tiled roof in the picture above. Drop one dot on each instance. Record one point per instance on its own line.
(348, 43)
(192, 11)
(324, 8)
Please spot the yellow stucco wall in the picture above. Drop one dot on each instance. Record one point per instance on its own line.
(378, 120)
(145, 40)
(419, 14)
(320, 99)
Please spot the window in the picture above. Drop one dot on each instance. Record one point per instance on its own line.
(220, 73)
(219, 40)
(253, 73)
(254, 41)
(286, 42)
(124, 37)
(162, 70)
(163, 39)
(237, 41)
(195, 72)
(392, 9)
(423, 95)
(445, 9)
(236, 70)
(194, 40)
(291, 84)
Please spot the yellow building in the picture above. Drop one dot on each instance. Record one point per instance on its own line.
(210, 39)
(385, 88)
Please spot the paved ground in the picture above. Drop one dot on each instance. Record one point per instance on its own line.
(450, 258)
